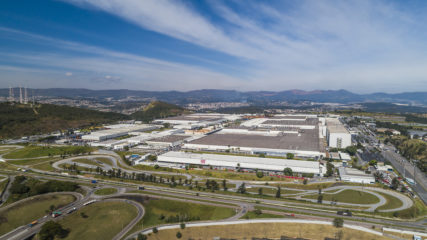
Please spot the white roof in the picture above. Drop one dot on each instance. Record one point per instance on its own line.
(244, 161)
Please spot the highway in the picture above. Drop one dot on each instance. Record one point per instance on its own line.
(242, 203)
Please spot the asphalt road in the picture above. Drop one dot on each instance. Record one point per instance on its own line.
(405, 168)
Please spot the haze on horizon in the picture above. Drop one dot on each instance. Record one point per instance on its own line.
(360, 46)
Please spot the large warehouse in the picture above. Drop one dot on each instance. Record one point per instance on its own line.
(197, 120)
(118, 130)
(274, 136)
(232, 162)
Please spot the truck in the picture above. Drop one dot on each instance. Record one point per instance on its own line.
(56, 214)
(410, 181)
(33, 223)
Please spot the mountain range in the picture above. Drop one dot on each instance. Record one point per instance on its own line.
(216, 95)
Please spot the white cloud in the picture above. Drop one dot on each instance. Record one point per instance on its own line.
(361, 45)
(68, 74)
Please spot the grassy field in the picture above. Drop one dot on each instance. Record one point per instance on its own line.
(105, 191)
(30, 162)
(348, 196)
(104, 160)
(253, 215)
(44, 166)
(41, 151)
(104, 220)
(3, 183)
(7, 166)
(267, 230)
(87, 161)
(392, 202)
(272, 191)
(155, 208)
(28, 211)
(310, 186)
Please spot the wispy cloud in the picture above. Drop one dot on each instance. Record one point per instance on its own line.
(115, 69)
(306, 44)
(362, 45)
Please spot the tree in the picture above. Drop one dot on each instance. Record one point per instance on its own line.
(305, 181)
(329, 169)
(224, 184)
(152, 158)
(259, 174)
(182, 225)
(242, 188)
(178, 235)
(290, 155)
(287, 171)
(373, 162)
(141, 237)
(155, 230)
(320, 198)
(261, 155)
(260, 191)
(351, 150)
(278, 192)
(338, 222)
(394, 183)
(52, 229)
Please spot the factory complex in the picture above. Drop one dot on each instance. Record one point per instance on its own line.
(220, 140)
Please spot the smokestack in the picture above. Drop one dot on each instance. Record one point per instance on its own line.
(20, 94)
(26, 96)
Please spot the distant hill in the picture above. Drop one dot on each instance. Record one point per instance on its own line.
(392, 108)
(158, 109)
(216, 95)
(18, 120)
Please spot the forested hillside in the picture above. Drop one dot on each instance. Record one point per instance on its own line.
(158, 110)
(18, 120)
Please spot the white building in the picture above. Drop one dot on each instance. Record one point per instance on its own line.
(232, 161)
(117, 130)
(356, 176)
(336, 134)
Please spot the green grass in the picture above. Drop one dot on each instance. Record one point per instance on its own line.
(30, 210)
(310, 186)
(7, 166)
(272, 191)
(348, 196)
(392, 202)
(3, 183)
(106, 191)
(44, 166)
(29, 162)
(105, 160)
(41, 151)
(87, 161)
(104, 220)
(155, 207)
(253, 215)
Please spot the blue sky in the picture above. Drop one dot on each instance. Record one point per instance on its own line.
(361, 46)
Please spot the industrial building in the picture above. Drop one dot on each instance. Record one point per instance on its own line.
(197, 120)
(356, 176)
(336, 134)
(276, 136)
(167, 141)
(117, 130)
(244, 162)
